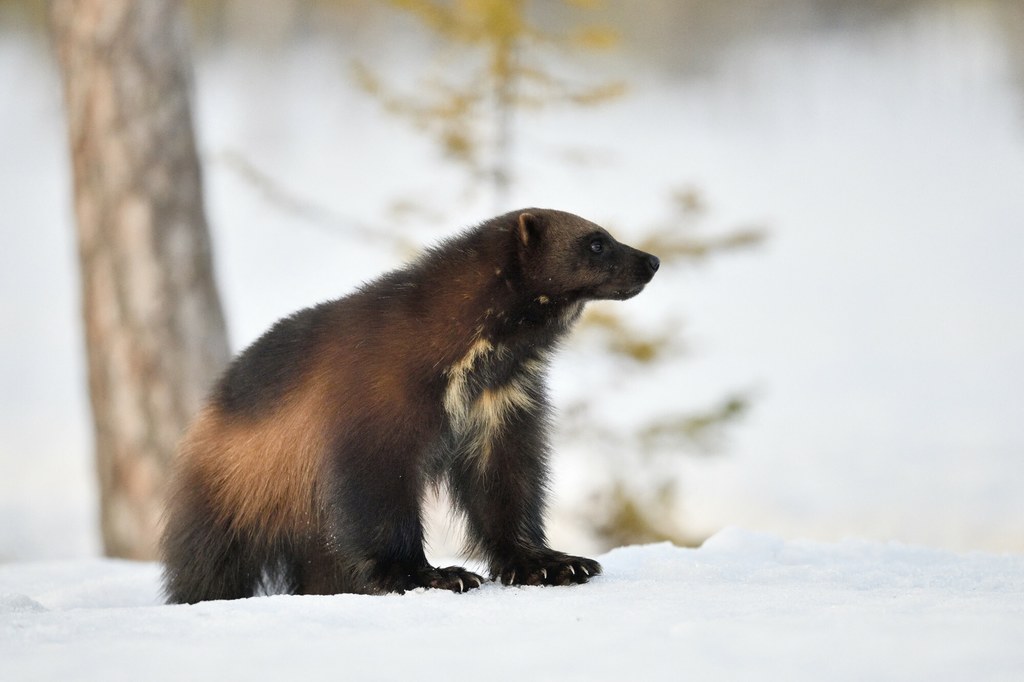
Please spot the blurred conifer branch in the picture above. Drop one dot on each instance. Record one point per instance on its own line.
(629, 520)
(645, 508)
(308, 210)
(702, 430)
(470, 112)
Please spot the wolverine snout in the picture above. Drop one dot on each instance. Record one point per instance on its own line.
(653, 263)
(645, 265)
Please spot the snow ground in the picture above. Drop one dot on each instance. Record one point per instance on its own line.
(743, 606)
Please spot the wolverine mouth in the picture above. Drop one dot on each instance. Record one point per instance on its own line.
(623, 294)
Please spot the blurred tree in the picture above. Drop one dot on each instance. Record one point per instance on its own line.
(641, 504)
(154, 330)
(471, 111)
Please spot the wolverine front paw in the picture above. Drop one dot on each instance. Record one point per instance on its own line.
(547, 569)
(395, 578)
(452, 578)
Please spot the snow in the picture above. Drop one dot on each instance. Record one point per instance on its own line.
(743, 606)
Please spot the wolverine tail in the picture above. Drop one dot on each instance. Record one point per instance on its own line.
(204, 558)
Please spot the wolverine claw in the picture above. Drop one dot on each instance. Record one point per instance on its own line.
(453, 579)
(549, 568)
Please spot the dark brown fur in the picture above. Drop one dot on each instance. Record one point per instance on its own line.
(306, 470)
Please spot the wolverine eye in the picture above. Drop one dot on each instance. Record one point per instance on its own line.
(597, 246)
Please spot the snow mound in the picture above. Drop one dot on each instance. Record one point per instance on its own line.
(745, 605)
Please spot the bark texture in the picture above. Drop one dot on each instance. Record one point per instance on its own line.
(154, 328)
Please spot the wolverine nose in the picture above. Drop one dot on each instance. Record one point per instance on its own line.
(653, 263)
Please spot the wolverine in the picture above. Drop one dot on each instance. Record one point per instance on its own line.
(306, 470)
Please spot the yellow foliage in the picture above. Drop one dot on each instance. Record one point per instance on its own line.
(675, 247)
(470, 118)
(434, 14)
(630, 519)
(626, 342)
(595, 38)
(599, 94)
(457, 145)
(702, 429)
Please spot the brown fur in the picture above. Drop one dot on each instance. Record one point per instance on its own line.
(261, 475)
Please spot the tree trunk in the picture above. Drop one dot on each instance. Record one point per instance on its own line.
(154, 330)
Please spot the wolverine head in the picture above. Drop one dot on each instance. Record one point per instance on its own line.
(567, 258)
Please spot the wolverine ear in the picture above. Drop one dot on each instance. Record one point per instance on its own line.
(529, 228)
